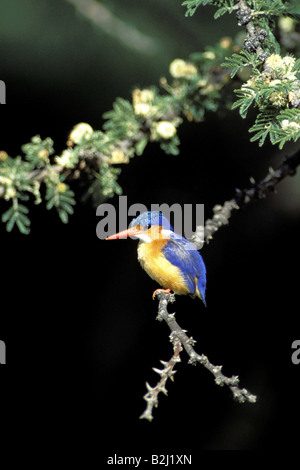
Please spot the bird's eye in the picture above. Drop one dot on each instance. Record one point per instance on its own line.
(149, 226)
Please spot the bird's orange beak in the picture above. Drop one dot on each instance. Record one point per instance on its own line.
(130, 232)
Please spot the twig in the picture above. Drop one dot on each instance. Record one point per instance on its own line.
(288, 167)
(240, 395)
(179, 338)
(243, 197)
(165, 373)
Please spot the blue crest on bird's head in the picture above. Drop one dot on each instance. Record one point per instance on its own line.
(148, 219)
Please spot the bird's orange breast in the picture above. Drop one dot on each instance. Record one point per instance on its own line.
(152, 259)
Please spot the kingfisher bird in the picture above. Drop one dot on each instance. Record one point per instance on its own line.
(168, 258)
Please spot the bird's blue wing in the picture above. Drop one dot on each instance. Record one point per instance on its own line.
(181, 253)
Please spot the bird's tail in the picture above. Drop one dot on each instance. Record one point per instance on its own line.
(200, 290)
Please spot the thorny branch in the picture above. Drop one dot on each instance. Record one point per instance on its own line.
(243, 197)
(165, 373)
(179, 338)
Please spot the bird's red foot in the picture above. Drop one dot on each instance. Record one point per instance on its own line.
(167, 291)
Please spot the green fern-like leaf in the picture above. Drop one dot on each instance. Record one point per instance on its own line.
(107, 178)
(275, 8)
(246, 100)
(17, 215)
(171, 147)
(62, 198)
(288, 127)
(228, 7)
(141, 145)
(262, 126)
(121, 121)
(237, 62)
(192, 5)
(37, 151)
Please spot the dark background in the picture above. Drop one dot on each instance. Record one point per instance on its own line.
(77, 315)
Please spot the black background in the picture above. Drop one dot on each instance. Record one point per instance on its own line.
(77, 315)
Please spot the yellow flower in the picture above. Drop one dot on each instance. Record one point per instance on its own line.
(289, 62)
(181, 69)
(274, 61)
(118, 156)
(142, 109)
(279, 100)
(43, 153)
(3, 155)
(285, 124)
(142, 100)
(294, 98)
(225, 42)
(165, 129)
(274, 82)
(208, 89)
(61, 187)
(79, 132)
(4, 180)
(142, 96)
(146, 96)
(10, 193)
(65, 159)
(202, 83)
(209, 55)
(287, 25)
